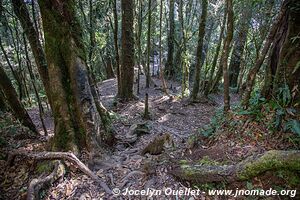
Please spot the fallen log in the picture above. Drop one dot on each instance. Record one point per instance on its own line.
(61, 156)
(244, 170)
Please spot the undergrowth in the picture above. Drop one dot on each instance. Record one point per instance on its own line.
(276, 115)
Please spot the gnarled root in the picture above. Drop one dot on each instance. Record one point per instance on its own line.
(247, 169)
(61, 156)
(38, 183)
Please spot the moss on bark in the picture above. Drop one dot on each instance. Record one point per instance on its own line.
(253, 166)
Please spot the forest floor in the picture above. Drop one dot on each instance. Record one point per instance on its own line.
(125, 167)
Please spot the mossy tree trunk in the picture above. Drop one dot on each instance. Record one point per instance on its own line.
(77, 122)
(245, 170)
(127, 55)
(199, 54)
(12, 99)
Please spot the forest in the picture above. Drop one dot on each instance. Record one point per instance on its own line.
(156, 99)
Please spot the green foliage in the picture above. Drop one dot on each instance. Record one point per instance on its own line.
(293, 126)
(291, 177)
(101, 39)
(283, 117)
(3, 142)
(255, 105)
(206, 160)
(44, 167)
(284, 96)
(216, 122)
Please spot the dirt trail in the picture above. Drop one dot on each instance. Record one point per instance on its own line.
(125, 167)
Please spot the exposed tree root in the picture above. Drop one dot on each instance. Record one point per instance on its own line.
(61, 156)
(38, 183)
(249, 168)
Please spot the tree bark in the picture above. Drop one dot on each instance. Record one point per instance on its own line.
(14, 103)
(199, 54)
(127, 56)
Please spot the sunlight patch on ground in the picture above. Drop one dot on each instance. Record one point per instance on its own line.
(161, 99)
(164, 118)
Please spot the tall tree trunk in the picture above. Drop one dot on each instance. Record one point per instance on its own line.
(109, 69)
(238, 49)
(226, 54)
(216, 55)
(199, 54)
(14, 103)
(259, 61)
(35, 44)
(184, 55)
(77, 122)
(138, 41)
(116, 28)
(161, 71)
(127, 56)
(29, 67)
(169, 69)
(148, 44)
(242, 73)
